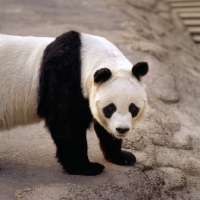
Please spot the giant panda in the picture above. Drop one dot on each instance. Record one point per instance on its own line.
(71, 81)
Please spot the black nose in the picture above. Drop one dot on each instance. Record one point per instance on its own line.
(122, 130)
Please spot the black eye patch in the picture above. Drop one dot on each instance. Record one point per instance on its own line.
(133, 109)
(109, 110)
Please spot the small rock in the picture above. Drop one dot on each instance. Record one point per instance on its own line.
(184, 160)
(175, 179)
(134, 142)
(177, 142)
(147, 158)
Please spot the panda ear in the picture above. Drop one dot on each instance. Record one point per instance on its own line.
(102, 75)
(140, 69)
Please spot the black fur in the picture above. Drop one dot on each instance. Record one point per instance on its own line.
(66, 112)
(111, 147)
(133, 109)
(109, 110)
(102, 75)
(140, 69)
(62, 105)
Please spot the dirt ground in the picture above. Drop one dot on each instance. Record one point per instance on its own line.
(166, 142)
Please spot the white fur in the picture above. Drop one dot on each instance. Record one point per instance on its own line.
(122, 88)
(122, 93)
(20, 59)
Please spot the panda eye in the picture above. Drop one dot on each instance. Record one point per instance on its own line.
(109, 110)
(133, 109)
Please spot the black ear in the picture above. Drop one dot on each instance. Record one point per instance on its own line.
(140, 69)
(102, 75)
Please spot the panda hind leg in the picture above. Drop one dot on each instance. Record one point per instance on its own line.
(111, 147)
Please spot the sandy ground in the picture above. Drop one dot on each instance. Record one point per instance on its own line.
(166, 143)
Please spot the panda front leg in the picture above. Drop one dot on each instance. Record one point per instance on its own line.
(111, 147)
(71, 146)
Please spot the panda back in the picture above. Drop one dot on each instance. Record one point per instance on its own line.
(20, 59)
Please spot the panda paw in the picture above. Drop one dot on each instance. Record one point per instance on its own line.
(91, 169)
(124, 158)
(127, 158)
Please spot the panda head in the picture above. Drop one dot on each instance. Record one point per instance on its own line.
(119, 99)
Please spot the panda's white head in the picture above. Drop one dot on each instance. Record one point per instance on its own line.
(119, 99)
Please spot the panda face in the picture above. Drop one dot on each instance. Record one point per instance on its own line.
(119, 103)
(122, 121)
